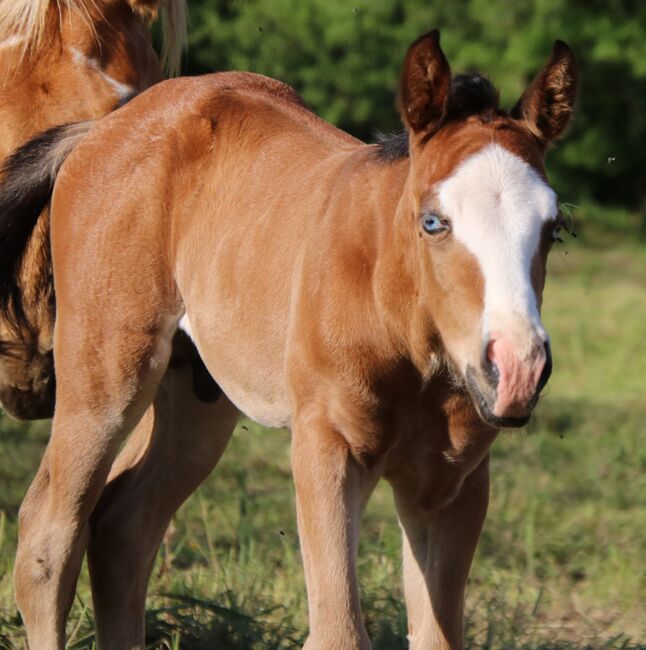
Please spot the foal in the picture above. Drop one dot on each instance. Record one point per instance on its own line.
(60, 62)
(382, 303)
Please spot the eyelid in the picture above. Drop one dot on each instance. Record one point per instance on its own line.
(433, 211)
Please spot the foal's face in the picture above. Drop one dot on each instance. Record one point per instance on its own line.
(486, 222)
(486, 218)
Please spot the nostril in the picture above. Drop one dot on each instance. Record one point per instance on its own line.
(491, 370)
(547, 369)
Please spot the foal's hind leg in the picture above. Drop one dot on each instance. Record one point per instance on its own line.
(172, 451)
(99, 398)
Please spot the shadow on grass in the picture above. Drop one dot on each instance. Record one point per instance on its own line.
(188, 623)
(194, 624)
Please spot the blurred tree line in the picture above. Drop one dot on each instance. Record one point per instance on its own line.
(344, 57)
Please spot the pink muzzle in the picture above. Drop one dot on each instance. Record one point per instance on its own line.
(519, 379)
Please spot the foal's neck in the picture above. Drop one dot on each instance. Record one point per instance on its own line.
(396, 286)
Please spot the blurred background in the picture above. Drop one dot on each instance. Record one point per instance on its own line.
(561, 560)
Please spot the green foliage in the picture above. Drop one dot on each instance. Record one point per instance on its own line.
(344, 58)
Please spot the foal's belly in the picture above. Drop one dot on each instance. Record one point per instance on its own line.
(250, 375)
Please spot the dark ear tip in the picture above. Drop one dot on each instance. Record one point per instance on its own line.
(561, 50)
(431, 38)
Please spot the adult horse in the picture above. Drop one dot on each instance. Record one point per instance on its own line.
(60, 62)
(382, 301)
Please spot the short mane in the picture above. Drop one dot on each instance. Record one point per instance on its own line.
(471, 94)
(26, 22)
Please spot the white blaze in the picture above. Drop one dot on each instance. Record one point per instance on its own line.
(498, 205)
(123, 91)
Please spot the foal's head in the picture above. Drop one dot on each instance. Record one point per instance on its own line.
(485, 219)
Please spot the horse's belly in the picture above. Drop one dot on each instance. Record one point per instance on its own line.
(250, 375)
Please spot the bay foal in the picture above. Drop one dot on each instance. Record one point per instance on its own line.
(382, 302)
(61, 61)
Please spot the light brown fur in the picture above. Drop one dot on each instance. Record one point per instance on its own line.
(59, 65)
(43, 84)
(315, 301)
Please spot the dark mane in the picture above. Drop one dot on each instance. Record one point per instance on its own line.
(391, 146)
(471, 94)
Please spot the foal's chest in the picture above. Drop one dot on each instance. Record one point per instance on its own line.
(440, 441)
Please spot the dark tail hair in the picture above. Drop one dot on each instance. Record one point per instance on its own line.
(26, 184)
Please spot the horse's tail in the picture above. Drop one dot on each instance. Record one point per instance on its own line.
(26, 184)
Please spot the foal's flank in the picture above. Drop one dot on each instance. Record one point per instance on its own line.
(384, 307)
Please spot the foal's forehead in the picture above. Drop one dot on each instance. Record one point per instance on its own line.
(499, 204)
(495, 182)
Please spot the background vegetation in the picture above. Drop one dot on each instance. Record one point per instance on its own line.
(561, 561)
(344, 56)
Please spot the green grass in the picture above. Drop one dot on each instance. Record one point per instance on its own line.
(560, 562)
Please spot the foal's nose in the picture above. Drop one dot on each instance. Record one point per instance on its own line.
(517, 378)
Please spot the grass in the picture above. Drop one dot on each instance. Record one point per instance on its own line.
(560, 562)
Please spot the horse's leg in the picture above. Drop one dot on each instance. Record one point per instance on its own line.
(438, 550)
(173, 450)
(101, 395)
(332, 489)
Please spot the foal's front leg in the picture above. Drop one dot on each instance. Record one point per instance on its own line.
(438, 549)
(332, 489)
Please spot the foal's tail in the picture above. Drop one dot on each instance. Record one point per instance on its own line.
(26, 184)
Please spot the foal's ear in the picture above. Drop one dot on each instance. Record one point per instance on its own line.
(548, 103)
(425, 85)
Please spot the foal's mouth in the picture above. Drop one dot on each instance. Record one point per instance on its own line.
(484, 404)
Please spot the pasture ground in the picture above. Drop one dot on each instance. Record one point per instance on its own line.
(561, 560)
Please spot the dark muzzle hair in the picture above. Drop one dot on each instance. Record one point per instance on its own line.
(26, 184)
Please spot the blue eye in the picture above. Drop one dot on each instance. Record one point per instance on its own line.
(433, 223)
